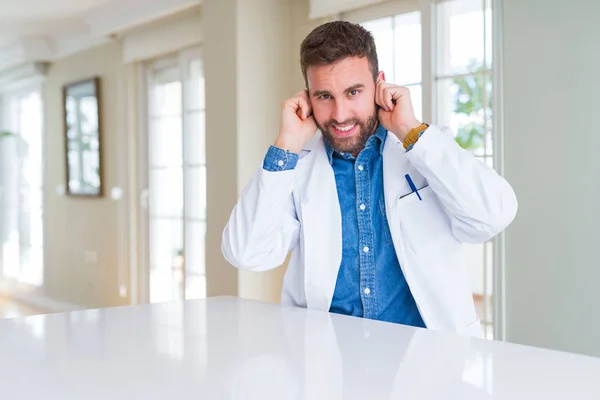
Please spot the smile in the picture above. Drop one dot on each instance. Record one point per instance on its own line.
(345, 130)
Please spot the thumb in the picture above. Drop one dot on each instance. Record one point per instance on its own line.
(383, 115)
(385, 118)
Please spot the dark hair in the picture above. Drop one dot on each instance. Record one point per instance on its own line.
(335, 41)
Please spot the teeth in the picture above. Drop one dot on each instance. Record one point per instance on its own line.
(344, 129)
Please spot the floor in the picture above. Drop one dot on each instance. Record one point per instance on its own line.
(10, 309)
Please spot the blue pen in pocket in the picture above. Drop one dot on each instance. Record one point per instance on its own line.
(412, 186)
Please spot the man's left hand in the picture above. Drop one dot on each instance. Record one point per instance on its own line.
(396, 110)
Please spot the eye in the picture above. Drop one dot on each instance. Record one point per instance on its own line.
(325, 97)
(354, 92)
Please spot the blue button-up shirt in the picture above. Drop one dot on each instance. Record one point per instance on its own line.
(370, 282)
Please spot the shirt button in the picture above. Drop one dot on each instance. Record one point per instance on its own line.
(280, 163)
(360, 168)
(367, 291)
(366, 249)
(362, 207)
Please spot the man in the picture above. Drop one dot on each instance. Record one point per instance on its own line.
(375, 205)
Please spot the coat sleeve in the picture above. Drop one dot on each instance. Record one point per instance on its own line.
(480, 202)
(263, 226)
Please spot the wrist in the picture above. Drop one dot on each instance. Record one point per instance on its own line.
(404, 129)
(289, 145)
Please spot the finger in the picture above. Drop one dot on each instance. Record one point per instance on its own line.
(379, 95)
(307, 97)
(383, 117)
(299, 105)
(401, 92)
(304, 109)
(388, 94)
(378, 90)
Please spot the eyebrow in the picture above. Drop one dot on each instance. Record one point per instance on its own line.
(351, 88)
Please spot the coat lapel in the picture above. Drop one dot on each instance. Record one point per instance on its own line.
(395, 167)
(321, 225)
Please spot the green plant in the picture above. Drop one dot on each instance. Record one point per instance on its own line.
(469, 102)
(5, 134)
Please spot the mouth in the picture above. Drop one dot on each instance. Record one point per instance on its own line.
(344, 130)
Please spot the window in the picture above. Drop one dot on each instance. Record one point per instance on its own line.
(21, 155)
(455, 61)
(398, 42)
(176, 178)
(463, 86)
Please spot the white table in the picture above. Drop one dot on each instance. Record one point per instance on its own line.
(227, 348)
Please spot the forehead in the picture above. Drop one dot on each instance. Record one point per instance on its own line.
(339, 75)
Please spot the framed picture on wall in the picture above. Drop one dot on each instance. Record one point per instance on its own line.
(81, 102)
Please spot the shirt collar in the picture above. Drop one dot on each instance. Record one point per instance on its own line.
(378, 138)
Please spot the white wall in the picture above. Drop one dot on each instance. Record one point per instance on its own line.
(252, 65)
(74, 226)
(247, 66)
(264, 56)
(219, 20)
(164, 36)
(552, 85)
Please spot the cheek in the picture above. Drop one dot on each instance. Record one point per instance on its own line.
(322, 113)
(364, 109)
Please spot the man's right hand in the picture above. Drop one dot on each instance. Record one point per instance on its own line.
(297, 123)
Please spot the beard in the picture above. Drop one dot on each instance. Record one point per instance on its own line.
(352, 144)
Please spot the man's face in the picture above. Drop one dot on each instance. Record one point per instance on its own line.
(342, 97)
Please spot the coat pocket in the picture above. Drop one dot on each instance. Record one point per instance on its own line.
(423, 222)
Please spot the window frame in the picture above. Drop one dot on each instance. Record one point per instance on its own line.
(145, 71)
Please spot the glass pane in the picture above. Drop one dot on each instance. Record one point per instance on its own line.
(479, 259)
(89, 116)
(488, 33)
(166, 260)
(460, 36)
(195, 236)
(195, 152)
(407, 48)
(489, 107)
(195, 85)
(195, 247)
(383, 33)
(460, 105)
(488, 144)
(31, 222)
(474, 255)
(165, 93)
(9, 228)
(166, 192)
(195, 192)
(489, 280)
(416, 95)
(195, 286)
(165, 142)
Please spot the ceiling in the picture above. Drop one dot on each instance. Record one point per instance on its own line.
(44, 30)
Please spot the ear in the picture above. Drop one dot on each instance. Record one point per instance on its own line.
(381, 76)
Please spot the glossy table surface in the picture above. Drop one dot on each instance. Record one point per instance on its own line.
(228, 348)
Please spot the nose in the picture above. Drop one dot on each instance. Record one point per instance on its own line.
(340, 112)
